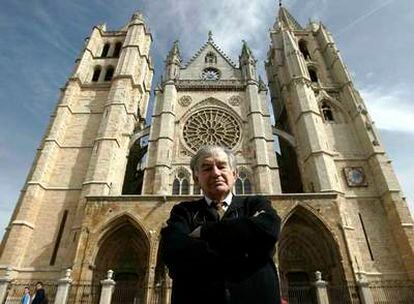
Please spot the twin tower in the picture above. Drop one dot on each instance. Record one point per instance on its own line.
(104, 179)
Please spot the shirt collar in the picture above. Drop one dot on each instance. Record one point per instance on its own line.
(227, 199)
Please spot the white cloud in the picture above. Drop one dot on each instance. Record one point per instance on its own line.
(391, 108)
(230, 21)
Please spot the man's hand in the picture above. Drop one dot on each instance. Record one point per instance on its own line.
(196, 233)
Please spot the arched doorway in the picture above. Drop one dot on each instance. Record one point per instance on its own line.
(306, 246)
(125, 250)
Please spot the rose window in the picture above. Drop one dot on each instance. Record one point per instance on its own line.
(211, 127)
(210, 74)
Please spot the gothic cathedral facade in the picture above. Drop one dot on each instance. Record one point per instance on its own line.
(104, 180)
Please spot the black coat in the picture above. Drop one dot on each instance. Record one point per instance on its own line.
(232, 261)
(40, 297)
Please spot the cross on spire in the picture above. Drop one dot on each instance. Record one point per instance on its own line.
(210, 35)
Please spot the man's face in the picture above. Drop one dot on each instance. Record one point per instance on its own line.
(38, 286)
(215, 176)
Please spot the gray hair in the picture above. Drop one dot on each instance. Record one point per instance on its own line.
(210, 150)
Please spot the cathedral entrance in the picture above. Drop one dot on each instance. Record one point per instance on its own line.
(306, 246)
(125, 250)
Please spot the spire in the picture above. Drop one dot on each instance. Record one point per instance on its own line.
(174, 55)
(246, 52)
(137, 16)
(287, 20)
(173, 62)
(247, 62)
(262, 85)
(210, 36)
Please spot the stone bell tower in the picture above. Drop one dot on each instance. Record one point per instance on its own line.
(210, 100)
(84, 151)
(328, 135)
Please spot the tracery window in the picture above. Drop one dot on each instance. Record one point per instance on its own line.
(211, 127)
(210, 58)
(243, 184)
(181, 185)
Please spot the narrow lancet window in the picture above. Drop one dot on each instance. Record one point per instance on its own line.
(185, 187)
(117, 49)
(303, 47)
(109, 73)
(176, 187)
(327, 112)
(105, 50)
(96, 74)
(313, 75)
(211, 58)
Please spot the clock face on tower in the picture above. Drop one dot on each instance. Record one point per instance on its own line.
(210, 74)
(355, 176)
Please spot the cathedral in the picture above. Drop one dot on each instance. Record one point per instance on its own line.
(104, 179)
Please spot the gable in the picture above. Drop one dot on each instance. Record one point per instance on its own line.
(195, 67)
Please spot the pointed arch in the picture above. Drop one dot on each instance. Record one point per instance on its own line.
(313, 74)
(136, 160)
(117, 49)
(210, 102)
(120, 219)
(105, 50)
(336, 105)
(327, 112)
(303, 47)
(123, 245)
(210, 58)
(96, 73)
(181, 178)
(109, 73)
(308, 244)
(243, 183)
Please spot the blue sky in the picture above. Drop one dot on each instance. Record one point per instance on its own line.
(42, 38)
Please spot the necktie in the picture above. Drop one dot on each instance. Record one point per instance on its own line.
(218, 206)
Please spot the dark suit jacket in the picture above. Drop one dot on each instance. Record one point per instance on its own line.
(232, 261)
(40, 297)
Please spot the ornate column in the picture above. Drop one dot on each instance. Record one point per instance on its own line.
(4, 284)
(364, 290)
(62, 294)
(321, 292)
(107, 290)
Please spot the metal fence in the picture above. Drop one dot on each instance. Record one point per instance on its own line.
(346, 293)
(16, 289)
(299, 294)
(395, 292)
(84, 293)
(383, 292)
(127, 292)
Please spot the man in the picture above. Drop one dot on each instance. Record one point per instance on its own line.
(39, 297)
(214, 258)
